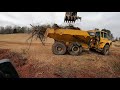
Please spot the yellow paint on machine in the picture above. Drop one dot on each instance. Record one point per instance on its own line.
(69, 35)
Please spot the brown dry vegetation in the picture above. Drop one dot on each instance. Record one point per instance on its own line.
(40, 62)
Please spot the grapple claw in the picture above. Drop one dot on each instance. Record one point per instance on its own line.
(71, 17)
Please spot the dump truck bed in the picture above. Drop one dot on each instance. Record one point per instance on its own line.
(69, 35)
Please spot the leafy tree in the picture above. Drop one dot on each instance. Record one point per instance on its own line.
(110, 35)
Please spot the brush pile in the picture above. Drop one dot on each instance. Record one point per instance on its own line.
(39, 31)
(55, 26)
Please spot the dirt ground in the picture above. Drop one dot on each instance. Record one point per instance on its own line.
(40, 62)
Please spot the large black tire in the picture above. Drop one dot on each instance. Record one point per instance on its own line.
(105, 50)
(59, 48)
(74, 49)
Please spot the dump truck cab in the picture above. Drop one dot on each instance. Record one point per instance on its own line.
(100, 41)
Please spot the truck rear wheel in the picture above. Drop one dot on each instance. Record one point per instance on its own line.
(59, 48)
(105, 50)
(74, 49)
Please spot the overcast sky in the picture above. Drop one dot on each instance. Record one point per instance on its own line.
(90, 20)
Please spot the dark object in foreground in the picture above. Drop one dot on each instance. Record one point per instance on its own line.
(7, 70)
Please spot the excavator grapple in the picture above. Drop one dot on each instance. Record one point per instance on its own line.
(71, 17)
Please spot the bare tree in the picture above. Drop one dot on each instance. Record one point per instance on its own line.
(116, 39)
(1, 30)
(8, 30)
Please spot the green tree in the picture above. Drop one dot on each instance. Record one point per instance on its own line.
(110, 35)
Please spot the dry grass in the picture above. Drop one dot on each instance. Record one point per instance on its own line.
(116, 44)
(42, 63)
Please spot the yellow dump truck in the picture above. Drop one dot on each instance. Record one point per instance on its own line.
(74, 41)
(100, 41)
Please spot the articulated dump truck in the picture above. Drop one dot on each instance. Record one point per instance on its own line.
(74, 41)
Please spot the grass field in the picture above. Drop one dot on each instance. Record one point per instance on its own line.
(42, 63)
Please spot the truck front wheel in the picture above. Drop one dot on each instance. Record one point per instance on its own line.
(105, 50)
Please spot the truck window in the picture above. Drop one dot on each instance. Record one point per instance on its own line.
(91, 33)
(97, 34)
(105, 35)
(102, 34)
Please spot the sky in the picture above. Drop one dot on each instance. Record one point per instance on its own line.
(90, 20)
